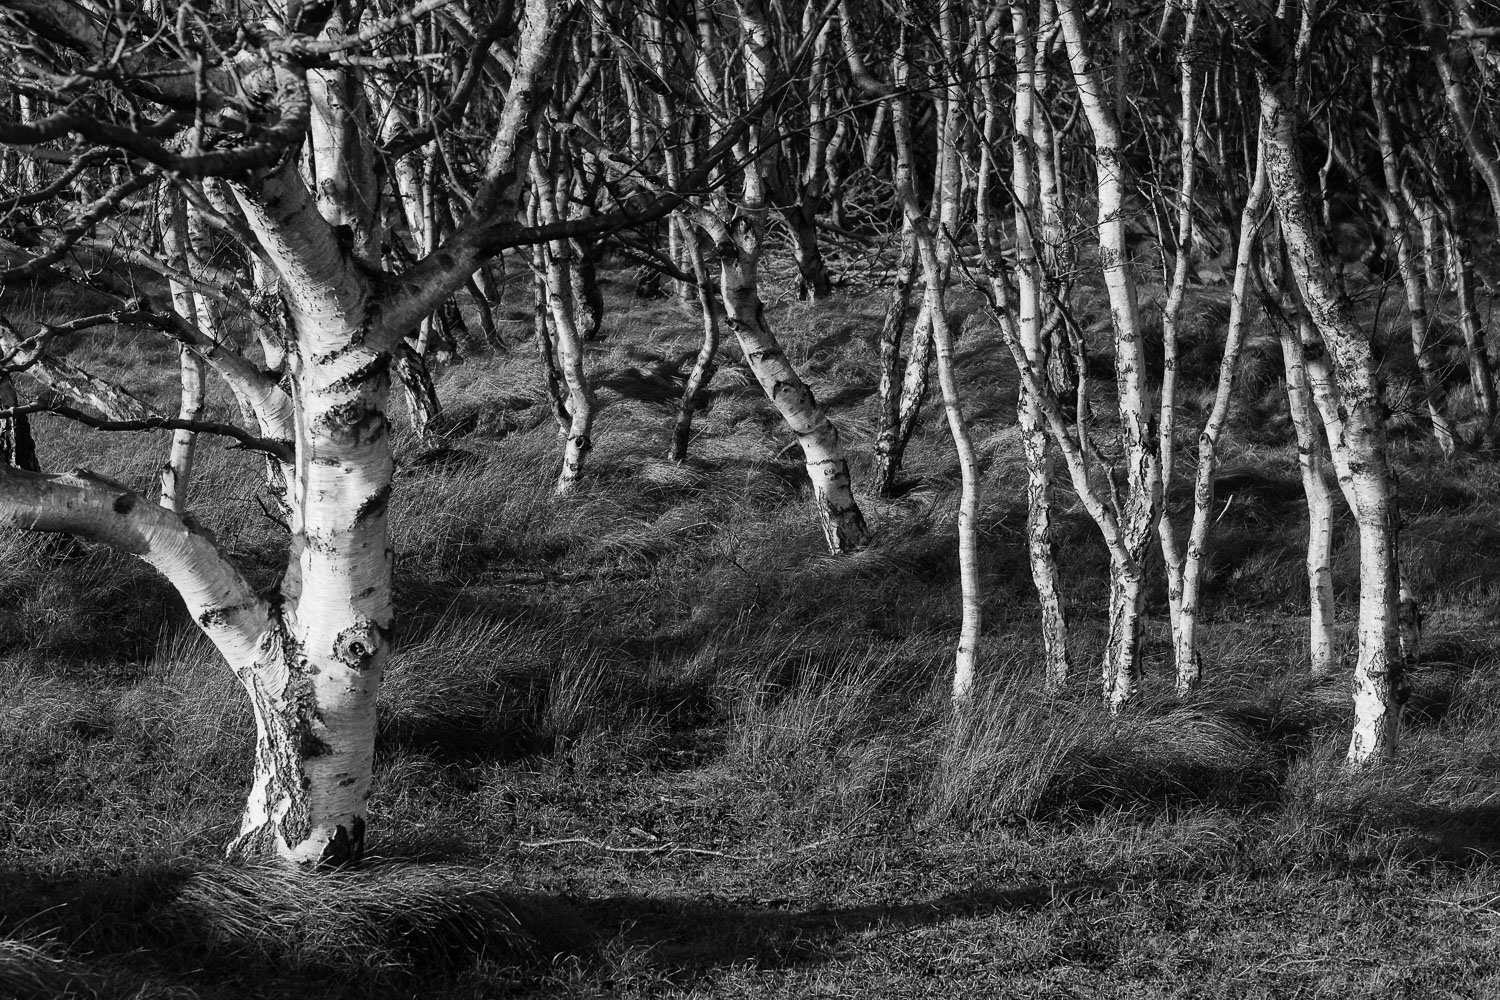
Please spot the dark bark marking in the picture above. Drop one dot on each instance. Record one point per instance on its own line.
(219, 617)
(374, 505)
(311, 746)
(124, 504)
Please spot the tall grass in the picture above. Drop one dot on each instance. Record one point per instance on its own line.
(729, 740)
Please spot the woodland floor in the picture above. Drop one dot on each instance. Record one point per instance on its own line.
(667, 663)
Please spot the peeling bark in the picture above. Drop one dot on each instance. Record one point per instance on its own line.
(1380, 687)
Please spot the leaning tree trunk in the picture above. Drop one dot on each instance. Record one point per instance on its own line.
(740, 240)
(1379, 684)
(703, 362)
(1399, 225)
(896, 390)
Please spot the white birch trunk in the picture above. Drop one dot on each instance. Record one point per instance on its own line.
(1040, 462)
(971, 620)
(1379, 686)
(1122, 669)
(1186, 575)
(177, 472)
(567, 339)
(1322, 653)
(740, 243)
(703, 363)
(1398, 226)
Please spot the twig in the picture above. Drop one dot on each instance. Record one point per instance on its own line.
(673, 847)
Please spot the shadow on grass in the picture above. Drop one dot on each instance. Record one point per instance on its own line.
(241, 932)
(389, 929)
(689, 940)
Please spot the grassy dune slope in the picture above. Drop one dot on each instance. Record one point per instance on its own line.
(651, 741)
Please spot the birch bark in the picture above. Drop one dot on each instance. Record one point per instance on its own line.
(1379, 684)
(1122, 669)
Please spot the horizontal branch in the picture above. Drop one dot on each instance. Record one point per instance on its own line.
(280, 450)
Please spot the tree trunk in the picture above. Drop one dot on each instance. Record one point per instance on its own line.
(1398, 225)
(739, 242)
(16, 445)
(703, 364)
(546, 163)
(1379, 684)
(177, 472)
(898, 307)
(1122, 669)
(1185, 574)
(1040, 462)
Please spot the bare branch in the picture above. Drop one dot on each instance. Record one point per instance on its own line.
(280, 450)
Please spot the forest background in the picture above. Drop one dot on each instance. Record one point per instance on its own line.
(661, 641)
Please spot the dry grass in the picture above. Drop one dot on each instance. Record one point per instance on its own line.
(745, 744)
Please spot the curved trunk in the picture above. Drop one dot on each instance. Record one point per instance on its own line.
(177, 472)
(703, 364)
(1379, 683)
(561, 296)
(900, 411)
(739, 235)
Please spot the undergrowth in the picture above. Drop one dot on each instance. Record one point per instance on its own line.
(649, 740)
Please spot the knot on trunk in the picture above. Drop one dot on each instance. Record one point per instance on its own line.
(357, 645)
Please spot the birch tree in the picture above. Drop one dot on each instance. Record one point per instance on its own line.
(1360, 434)
(309, 656)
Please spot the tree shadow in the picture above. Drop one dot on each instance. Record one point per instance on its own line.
(393, 926)
(689, 940)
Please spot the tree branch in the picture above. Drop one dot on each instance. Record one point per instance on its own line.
(280, 450)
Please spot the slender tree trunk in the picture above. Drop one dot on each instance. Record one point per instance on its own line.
(1188, 573)
(1398, 225)
(1188, 662)
(541, 325)
(890, 445)
(17, 447)
(936, 309)
(1040, 462)
(1321, 647)
(1122, 668)
(740, 240)
(177, 472)
(898, 307)
(703, 364)
(560, 298)
(1460, 268)
(1379, 684)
